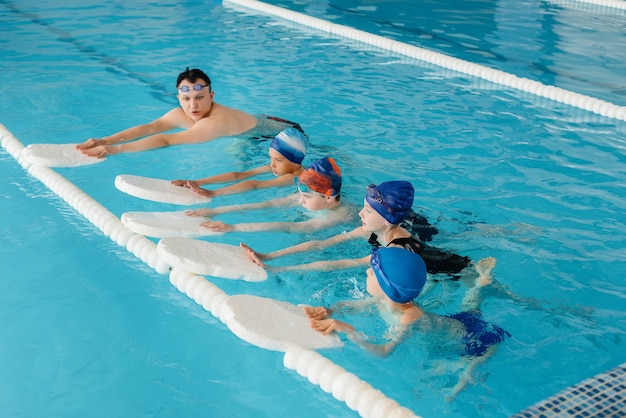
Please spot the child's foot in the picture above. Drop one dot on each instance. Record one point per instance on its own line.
(484, 268)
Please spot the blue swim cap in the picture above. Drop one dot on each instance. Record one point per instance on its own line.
(401, 273)
(291, 144)
(392, 200)
(323, 176)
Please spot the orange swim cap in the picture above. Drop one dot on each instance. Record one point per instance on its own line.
(323, 176)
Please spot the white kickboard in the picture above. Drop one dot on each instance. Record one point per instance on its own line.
(57, 155)
(158, 190)
(210, 259)
(166, 224)
(272, 324)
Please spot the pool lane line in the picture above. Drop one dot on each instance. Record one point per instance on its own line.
(92, 210)
(557, 94)
(111, 65)
(344, 386)
(600, 5)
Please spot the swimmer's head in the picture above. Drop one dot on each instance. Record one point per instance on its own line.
(392, 200)
(192, 76)
(291, 144)
(401, 273)
(323, 176)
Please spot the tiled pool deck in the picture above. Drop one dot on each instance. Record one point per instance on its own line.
(603, 395)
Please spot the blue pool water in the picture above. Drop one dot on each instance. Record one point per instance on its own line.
(89, 329)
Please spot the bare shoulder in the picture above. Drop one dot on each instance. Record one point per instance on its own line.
(341, 212)
(232, 121)
(175, 118)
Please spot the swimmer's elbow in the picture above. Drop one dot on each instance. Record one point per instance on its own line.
(380, 350)
(155, 141)
(252, 185)
(167, 140)
(300, 227)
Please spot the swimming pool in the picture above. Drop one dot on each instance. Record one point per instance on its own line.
(88, 326)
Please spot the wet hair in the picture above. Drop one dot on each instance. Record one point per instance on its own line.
(193, 75)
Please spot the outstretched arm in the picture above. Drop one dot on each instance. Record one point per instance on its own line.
(283, 201)
(152, 136)
(223, 178)
(294, 227)
(105, 146)
(321, 321)
(322, 312)
(326, 265)
(378, 349)
(333, 217)
(313, 245)
(234, 175)
(247, 185)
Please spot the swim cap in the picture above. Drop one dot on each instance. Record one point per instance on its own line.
(391, 199)
(323, 176)
(291, 144)
(401, 273)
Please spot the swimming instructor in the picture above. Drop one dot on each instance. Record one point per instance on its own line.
(199, 116)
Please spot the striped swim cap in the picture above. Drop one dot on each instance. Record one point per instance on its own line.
(291, 144)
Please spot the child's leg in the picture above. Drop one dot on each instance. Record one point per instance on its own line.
(466, 377)
(484, 267)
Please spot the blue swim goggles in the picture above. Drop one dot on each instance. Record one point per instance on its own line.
(304, 189)
(196, 87)
(374, 194)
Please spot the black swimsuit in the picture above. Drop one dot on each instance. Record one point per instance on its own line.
(437, 260)
(267, 127)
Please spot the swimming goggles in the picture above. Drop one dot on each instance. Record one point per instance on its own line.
(196, 87)
(374, 194)
(304, 189)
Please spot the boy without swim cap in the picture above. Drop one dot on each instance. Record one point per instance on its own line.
(291, 144)
(391, 199)
(401, 273)
(323, 176)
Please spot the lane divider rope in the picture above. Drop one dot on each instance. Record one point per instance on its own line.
(344, 386)
(599, 5)
(536, 88)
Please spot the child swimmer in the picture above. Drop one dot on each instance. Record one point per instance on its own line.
(287, 150)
